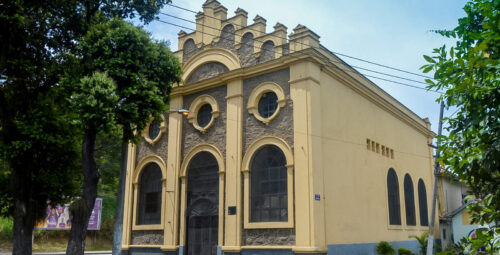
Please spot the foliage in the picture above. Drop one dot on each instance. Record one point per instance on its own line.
(108, 155)
(95, 100)
(384, 248)
(469, 75)
(143, 70)
(6, 228)
(422, 241)
(404, 251)
(37, 136)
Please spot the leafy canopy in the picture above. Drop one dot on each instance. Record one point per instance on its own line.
(142, 69)
(469, 73)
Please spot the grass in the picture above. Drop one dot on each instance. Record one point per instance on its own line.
(57, 240)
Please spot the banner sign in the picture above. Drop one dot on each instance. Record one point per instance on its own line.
(58, 218)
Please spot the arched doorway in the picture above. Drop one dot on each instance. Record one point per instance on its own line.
(202, 210)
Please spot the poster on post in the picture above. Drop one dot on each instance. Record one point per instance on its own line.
(58, 218)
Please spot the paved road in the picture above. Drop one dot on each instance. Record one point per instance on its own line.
(61, 253)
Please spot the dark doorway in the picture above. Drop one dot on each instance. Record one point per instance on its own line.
(202, 213)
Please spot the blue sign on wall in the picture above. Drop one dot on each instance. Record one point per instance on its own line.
(317, 197)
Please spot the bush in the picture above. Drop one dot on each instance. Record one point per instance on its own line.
(107, 229)
(404, 251)
(384, 248)
(6, 228)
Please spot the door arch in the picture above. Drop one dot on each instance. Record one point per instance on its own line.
(202, 205)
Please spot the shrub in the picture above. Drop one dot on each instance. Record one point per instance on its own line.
(6, 228)
(404, 251)
(384, 248)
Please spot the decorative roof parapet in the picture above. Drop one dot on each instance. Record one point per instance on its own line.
(303, 38)
(259, 19)
(240, 11)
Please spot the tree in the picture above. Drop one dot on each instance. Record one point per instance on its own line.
(141, 73)
(469, 73)
(36, 134)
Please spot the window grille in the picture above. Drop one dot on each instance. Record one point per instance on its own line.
(409, 201)
(422, 203)
(150, 185)
(268, 186)
(393, 198)
(154, 129)
(268, 104)
(204, 115)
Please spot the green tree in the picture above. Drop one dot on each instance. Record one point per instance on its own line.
(469, 73)
(143, 71)
(36, 132)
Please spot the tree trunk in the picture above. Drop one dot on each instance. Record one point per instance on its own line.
(82, 208)
(24, 218)
(23, 229)
(117, 233)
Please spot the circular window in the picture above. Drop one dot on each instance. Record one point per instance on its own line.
(268, 104)
(265, 101)
(204, 115)
(154, 129)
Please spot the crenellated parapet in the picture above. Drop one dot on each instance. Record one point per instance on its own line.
(250, 42)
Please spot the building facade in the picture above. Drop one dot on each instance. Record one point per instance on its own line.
(285, 150)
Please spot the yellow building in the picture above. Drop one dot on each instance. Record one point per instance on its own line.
(285, 150)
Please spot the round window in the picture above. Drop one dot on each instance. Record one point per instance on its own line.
(268, 103)
(154, 129)
(204, 115)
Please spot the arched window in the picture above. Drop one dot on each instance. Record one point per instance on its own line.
(267, 51)
(409, 201)
(227, 36)
(422, 203)
(393, 198)
(268, 186)
(189, 49)
(150, 184)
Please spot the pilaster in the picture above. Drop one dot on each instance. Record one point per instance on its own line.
(232, 230)
(173, 167)
(127, 206)
(305, 92)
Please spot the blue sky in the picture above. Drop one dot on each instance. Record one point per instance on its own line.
(391, 32)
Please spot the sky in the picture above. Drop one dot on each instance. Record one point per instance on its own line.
(395, 33)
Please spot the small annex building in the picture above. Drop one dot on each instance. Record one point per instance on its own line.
(286, 150)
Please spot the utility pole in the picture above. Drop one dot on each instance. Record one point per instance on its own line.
(430, 242)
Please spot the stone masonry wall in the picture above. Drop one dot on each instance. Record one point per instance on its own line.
(281, 126)
(216, 134)
(147, 237)
(160, 148)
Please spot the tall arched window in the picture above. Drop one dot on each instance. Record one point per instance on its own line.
(393, 198)
(150, 184)
(268, 186)
(422, 203)
(409, 201)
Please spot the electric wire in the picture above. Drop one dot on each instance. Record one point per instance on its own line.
(357, 67)
(338, 53)
(328, 61)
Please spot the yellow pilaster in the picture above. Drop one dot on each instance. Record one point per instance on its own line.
(305, 92)
(127, 206)
(232, 231)
(173, 167)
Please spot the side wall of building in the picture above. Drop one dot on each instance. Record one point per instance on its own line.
(355, 172)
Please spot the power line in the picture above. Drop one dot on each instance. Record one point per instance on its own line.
(328, 60)
(338, 53)
(358, 67)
